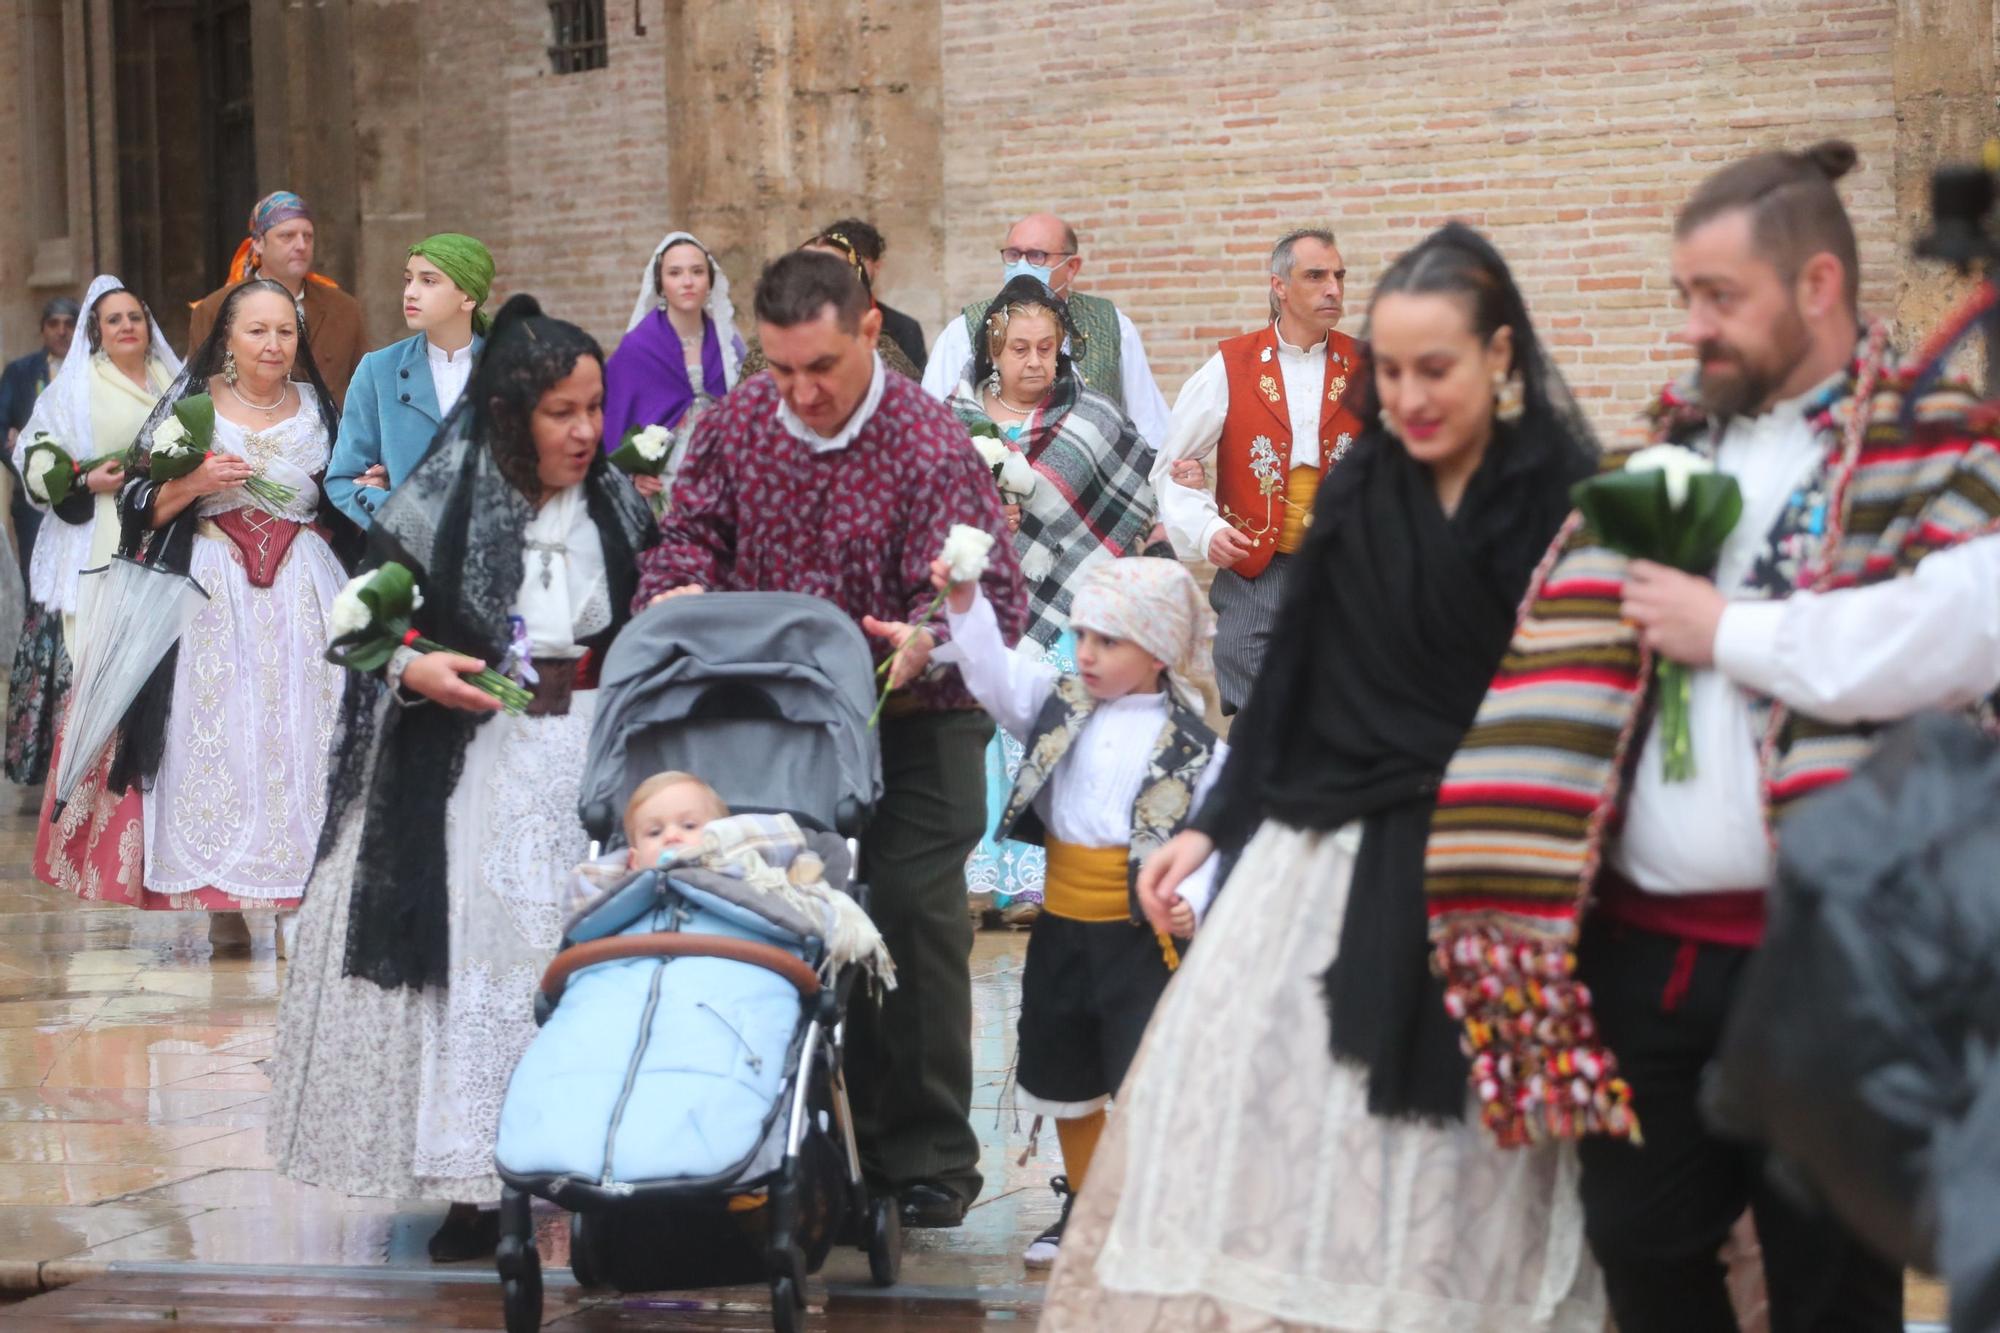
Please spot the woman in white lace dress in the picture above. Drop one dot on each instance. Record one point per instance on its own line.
(435, 904)
(1290, 1149)
(229, 741)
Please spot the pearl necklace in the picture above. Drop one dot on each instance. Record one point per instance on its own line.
(997, 397)
(265, 408)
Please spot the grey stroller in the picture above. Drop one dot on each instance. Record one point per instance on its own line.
(685, 1099)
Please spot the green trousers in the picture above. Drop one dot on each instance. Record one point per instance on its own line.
(910, 1055)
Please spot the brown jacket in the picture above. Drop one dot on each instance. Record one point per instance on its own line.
(333, 327)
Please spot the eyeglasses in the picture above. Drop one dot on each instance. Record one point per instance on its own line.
(1039, 258)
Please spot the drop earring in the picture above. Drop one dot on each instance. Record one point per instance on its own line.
(1508, 399)
(229, 366)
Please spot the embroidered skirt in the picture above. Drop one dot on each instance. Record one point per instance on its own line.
(397, 1093)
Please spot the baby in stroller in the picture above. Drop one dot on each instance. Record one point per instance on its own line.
(685, 1099)
(668, 810)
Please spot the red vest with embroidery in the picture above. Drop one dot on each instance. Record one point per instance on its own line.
(1254, 454)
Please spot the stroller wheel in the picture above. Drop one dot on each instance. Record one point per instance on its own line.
(581, 1265)
(885, 1241)
(521, 1299)
(520, 1264)
(788, 1306)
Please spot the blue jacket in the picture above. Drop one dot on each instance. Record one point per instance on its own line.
(390, 417)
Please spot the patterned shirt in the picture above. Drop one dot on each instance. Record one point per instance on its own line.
(756, 510)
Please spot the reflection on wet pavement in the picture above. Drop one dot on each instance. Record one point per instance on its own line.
(134, 1088)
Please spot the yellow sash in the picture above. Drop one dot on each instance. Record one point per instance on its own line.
(1086, 883)
(1090, 884)
(1301, 489)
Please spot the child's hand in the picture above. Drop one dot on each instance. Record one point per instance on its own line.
(1180, 919)
(958, 595)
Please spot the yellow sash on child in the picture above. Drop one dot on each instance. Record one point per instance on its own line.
(1090, 884)
(1301, 489)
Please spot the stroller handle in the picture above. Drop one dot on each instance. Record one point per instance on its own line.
(676, 944)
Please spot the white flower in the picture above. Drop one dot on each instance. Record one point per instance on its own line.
(652, 442)
(170, 436)
(1017, 477)
(992, 450)
(1673, 462)
(350, 614)
(965, 551)
(41, 462)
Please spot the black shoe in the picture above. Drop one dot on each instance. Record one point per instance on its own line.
(469, 1232)
(1042, 1250)
(929, 1204)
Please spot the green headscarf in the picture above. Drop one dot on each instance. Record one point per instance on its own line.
(467, 263)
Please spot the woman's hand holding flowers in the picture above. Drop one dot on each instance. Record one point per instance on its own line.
(440, 677)
(106, 477)
(219, 472)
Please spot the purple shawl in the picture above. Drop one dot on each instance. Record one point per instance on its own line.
(646, 380)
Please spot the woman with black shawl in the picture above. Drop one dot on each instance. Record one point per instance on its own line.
(435, 902)
(1291, 1147)
(1075, 485)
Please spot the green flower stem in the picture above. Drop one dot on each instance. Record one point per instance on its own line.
(889, 663)
(508, 692)
(273, 493)
(1676, 739)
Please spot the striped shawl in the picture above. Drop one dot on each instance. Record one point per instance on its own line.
(1524, 805)
(1093, 496)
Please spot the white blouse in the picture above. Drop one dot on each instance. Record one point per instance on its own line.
(564, 594)
(1088, 800)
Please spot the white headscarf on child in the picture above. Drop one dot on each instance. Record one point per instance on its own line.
(1156, 604)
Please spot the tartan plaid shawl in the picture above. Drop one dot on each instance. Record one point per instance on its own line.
(1093, 497)
(1516, 841)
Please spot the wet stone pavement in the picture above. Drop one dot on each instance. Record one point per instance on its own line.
(135, 1183)
(135, 1186)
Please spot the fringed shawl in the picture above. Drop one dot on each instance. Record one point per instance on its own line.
(1522, 813)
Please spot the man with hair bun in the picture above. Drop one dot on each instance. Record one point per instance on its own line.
(1857, 588)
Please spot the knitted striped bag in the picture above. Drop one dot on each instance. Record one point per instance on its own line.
(1524, 805)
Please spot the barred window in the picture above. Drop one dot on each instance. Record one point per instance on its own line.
(579, 35)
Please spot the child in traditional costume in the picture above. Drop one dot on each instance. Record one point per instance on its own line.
(1117, 757)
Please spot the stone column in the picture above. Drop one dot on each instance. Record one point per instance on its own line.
(1944, 93)
(786, 117)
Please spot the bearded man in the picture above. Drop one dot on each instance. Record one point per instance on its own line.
(1857, 588)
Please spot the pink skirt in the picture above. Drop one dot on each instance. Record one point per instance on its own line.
(97, 849)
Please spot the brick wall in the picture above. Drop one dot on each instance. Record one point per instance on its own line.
(1181, 139)
(563, 176)
(586, 167)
